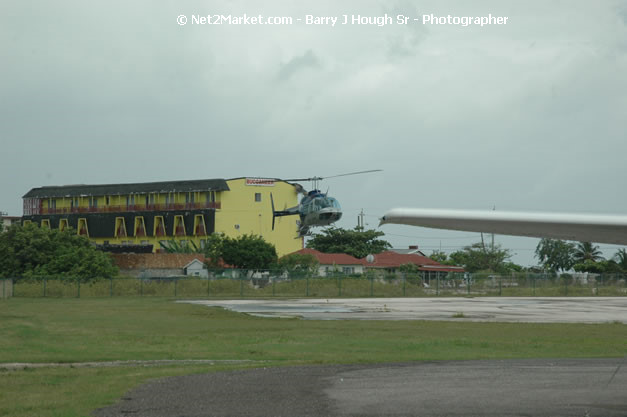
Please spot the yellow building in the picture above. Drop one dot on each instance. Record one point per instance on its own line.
(185, 211)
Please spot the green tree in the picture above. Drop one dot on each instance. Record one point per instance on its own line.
(175, 246)
(439, 256)
(297, 263)
(409, 269)
(1, 224)
(32, 251)
(555, 255)
(213, 249)
(620, 257)
(600, 267)
(478, 257)
(354, 242)
(249, 252)
(586, 251)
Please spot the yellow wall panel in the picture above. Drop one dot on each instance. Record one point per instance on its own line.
(240, 214)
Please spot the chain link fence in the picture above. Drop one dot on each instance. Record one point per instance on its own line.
(237, 283)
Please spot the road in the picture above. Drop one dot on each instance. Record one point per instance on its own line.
(539, 388)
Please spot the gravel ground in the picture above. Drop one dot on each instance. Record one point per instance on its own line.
(566, 387)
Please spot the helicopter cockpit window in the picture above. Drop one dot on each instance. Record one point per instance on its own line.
(330, 202)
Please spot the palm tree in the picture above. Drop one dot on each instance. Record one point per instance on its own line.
(621, 259)
(586, 251)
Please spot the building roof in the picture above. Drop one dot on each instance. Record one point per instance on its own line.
(154, 260)
(331, 258)
(131, 188)
(192, 262)
(391, 259)
(408, 251)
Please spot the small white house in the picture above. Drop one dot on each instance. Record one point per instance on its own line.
(331, 263)
(196, 269)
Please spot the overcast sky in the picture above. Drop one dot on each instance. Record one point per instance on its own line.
(530, 115)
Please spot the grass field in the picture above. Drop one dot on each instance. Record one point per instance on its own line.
(104, 329)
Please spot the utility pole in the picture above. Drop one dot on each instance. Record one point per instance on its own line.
(493, 209)
(360, 220)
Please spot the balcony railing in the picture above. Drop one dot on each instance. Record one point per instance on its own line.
(131, 208)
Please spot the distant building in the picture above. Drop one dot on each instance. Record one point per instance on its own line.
(9, 220)
(158, 265)
(391, 261)
(334, 262)
(185, 211)
(196, 268)
(412, 250)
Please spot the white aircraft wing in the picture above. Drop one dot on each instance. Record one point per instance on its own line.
(582, 227)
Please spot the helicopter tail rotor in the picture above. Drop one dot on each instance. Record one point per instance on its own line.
(273, 212)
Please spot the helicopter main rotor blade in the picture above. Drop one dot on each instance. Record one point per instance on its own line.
(353, 173)
(333, 176)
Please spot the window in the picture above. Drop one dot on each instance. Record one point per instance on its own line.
(107, 201)
(348, 269)
(257, 197)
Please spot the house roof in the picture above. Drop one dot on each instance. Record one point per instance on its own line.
(134, 188)
(391, 259)
(192, 262)
(331, 258)
(154, 260)
(408, 251)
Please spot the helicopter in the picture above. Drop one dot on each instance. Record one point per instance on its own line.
(315, 208)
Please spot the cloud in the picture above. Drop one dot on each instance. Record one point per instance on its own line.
(297, 64)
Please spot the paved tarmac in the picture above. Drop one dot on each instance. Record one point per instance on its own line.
(501, 309)
(557, 387)
(542, 388)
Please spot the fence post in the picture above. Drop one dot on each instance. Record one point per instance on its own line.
(141, 287)
(273, 282)
(44, 287)
(468, 284)
(404, 275)
(534, 285)
(307, 287)
(372, 286)
(208, 282)
(339, 279)
(241, 287)
(78, 288)
(437, 283)
(500, 285)
(176, 282)
(110, 287)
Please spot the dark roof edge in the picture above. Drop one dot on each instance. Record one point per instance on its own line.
(135, 188)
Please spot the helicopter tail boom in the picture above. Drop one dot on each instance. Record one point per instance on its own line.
(279, 213)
